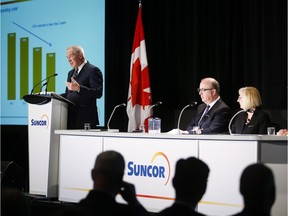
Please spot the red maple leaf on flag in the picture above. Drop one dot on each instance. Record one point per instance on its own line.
(140, 84)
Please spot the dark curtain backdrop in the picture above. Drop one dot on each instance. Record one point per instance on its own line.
(238, 42)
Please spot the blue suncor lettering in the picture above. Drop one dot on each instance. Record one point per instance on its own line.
(146, 170)
(38, 122)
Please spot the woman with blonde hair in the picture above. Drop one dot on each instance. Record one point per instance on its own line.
(254, 120)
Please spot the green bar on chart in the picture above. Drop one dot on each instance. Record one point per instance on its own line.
(24, 64)
(37, 68)
(50, 70)
(11, 68)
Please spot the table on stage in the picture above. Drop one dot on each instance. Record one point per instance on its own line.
(151, 158)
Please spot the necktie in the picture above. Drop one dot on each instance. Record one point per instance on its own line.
(204, 113)
(75, 73)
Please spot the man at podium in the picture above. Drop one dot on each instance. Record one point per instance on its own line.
(84, 85)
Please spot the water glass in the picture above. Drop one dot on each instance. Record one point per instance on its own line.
(86, 126)
(271, 130)
(154, 125)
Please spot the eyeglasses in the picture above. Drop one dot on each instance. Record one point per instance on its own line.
(203, 89)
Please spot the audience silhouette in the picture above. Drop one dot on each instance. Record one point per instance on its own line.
(71, 210)
(257, 187)
(189, 182)
(14, 202)
(107, 176)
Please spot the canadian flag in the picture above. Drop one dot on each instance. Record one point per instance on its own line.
(139, 96)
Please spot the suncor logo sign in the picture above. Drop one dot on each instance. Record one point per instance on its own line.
(151, 170)
(42, 122)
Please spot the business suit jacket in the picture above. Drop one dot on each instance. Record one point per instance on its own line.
(91, 87)
(101, 203)
(215, 121)
(257, 125)
(179, 209)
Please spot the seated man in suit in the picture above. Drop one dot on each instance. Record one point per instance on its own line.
(213, 115)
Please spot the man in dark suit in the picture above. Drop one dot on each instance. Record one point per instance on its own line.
(84, 85)
(107, 176)
(189, 182)
(213, 114)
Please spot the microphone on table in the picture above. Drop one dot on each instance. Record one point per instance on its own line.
(154, 105)
(179, 118)
(47, 78)
(119, 105)
(229, 126)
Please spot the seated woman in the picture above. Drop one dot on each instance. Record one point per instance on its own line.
(255, 120)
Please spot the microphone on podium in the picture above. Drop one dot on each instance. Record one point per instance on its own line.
(230, 122)
(119, 105)
(47, 78)
(179, 118)
(45, 84)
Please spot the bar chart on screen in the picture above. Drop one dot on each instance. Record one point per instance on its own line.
(36, 69)
(34, 38)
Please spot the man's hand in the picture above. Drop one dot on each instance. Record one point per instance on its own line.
(128, 193)
(73, 85)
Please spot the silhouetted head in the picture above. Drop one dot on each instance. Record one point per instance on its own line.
(190, 179)
(108, 171)
(258, 187)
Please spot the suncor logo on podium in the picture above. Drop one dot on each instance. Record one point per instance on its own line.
(151, 170)
(42, 122)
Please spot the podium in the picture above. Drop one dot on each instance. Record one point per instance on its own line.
(46, 113)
